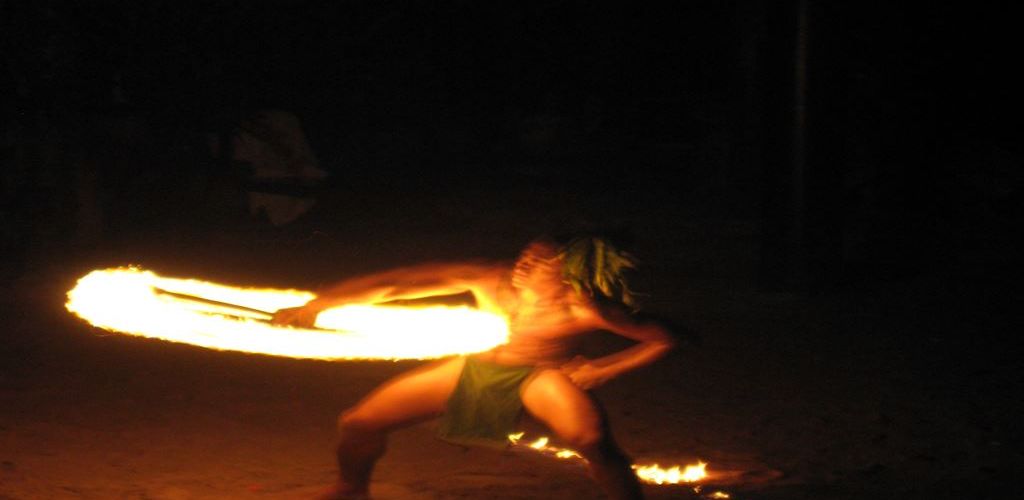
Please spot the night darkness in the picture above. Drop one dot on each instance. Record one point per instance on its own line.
(823, 196)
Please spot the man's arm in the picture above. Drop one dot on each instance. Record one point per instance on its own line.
(425, 280)
(653, 342)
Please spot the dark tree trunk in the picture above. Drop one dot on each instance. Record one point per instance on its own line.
(804, 156)
(783, 154)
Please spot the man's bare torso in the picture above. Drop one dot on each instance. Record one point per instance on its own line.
(544, 333)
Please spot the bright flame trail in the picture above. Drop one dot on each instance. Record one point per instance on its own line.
(138, 302)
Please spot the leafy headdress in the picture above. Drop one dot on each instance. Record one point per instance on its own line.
(595, 267)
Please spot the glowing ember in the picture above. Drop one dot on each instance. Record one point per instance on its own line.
(652, 474)
(137, 302)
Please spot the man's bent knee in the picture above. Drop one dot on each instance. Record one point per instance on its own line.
(585, 440)
(355, 421)
(594, 444)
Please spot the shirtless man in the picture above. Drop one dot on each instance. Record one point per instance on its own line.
(536, 370)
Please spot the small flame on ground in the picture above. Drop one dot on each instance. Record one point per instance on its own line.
(541, 445)
(126, 300)
(567, 454)
(651, 474)
(673, 475)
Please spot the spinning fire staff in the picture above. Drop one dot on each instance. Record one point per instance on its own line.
(552, 294)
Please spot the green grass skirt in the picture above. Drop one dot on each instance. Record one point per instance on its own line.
(485, 407)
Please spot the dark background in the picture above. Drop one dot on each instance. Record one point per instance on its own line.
(864, 142)
(855, 158)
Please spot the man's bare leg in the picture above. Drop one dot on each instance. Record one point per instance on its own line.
(357, 453)
(578, 420)
(612, 471)
(405, 400)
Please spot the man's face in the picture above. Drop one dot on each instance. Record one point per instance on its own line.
(538, 270)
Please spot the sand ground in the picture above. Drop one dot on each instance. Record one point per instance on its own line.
(898, 390)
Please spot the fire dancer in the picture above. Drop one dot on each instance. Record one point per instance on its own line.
(551, 295)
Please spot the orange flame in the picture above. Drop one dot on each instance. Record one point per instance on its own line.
(673, 475)
(651, 474)
(126, 300)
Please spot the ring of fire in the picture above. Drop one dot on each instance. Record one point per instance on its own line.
(139, 302)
